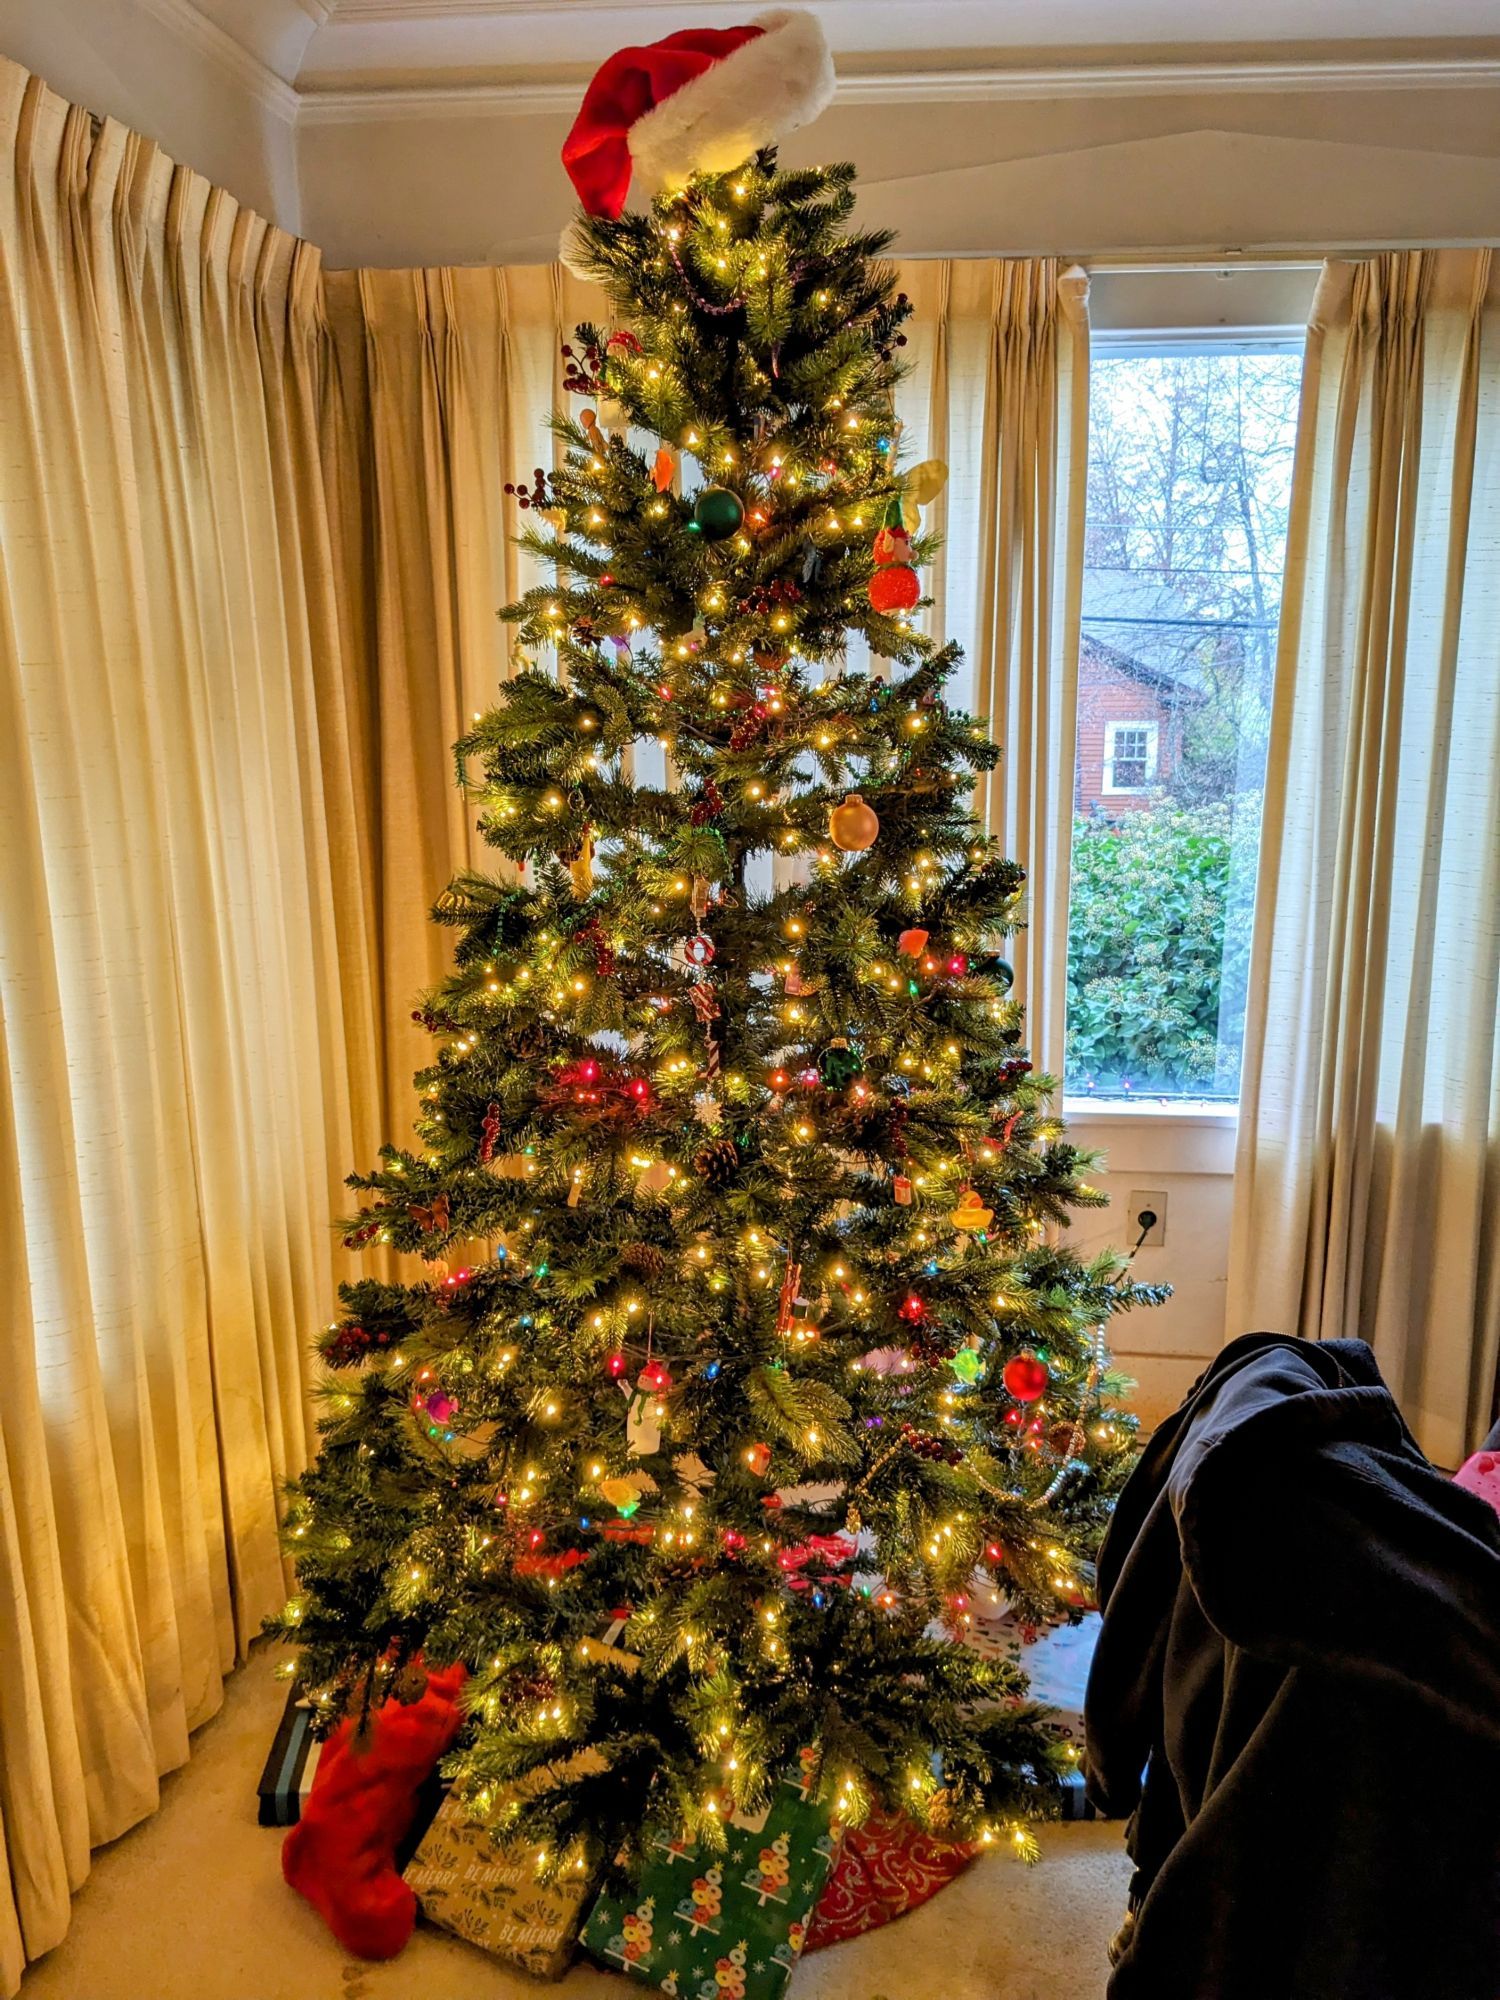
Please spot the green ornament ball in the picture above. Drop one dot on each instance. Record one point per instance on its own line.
(717, 513)
(840, 1063)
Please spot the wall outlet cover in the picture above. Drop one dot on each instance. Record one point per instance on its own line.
(1154, 1199)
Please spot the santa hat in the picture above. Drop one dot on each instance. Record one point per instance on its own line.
(698, 102)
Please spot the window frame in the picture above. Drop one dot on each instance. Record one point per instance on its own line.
(1192, 336)
(1114, 728)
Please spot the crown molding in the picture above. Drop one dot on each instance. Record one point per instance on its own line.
(220, 47)
(403, 10)
(351, 103)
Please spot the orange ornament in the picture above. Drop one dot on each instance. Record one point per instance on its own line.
(894, 589)
(853, 826)
(912, 944)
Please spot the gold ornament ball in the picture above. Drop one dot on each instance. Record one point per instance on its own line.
(853, 826)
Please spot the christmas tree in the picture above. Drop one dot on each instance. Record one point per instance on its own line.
(747, 1321)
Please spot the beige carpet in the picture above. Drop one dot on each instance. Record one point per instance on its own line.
(191, 1906)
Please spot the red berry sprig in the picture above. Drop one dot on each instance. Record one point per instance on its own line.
(434, 1022)
(708, 805)
(534, 496)
(350, 1344)
(922, 1444)
(765, 598)
(744, 733)
(581, 375)
(604, 952)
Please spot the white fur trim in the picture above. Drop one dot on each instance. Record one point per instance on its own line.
(754, 96)
(569, 252)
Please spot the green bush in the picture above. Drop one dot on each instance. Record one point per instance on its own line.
(1154, 899)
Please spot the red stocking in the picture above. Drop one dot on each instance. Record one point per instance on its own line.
(341, 1854)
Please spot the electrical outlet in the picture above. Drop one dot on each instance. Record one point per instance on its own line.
(1154, 1200)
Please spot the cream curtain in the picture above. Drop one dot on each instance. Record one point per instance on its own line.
(437, 389)
(183, 1037)
(1367, 1197)
(999, 388)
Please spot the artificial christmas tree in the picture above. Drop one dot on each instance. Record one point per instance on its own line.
(746, 1318)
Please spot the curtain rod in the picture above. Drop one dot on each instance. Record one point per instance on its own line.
(1230, 260)
(1118, 263)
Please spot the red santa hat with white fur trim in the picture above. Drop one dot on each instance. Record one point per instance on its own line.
(697, 102)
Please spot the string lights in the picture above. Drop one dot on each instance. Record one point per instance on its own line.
(750, 1212)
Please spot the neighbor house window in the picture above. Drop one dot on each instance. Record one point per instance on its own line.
(1190, 458)
(1129, 756)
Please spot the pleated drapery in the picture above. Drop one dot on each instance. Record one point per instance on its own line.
(185, 1069)
(438, 387)
(254, 535)
(1367, 1194)
(999, 388)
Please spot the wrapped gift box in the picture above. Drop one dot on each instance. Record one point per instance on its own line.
(489, 1893)
(1056, 1661)
(291, 1767)
(884, 1868)
(1075, 1800)
(731, 1926)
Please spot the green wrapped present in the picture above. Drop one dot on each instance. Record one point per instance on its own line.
(707, 1926)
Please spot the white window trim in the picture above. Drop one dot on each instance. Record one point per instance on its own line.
(1153, 744)
(1182, 1123)
(1143, 1109)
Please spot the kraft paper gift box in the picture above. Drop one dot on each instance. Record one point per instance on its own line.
(490, 1894)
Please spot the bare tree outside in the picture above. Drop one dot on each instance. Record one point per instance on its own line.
(1190, 463)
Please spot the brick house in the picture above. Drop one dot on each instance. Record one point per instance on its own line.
(1135, 690)
(1129, 732)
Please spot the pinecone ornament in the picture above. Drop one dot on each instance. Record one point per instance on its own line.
(717, 1164)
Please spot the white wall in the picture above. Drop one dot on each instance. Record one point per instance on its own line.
(161, 69)
(476, 181)
(1190, 1158)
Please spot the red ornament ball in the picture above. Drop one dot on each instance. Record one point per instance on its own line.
(894, 589)
(1026, 1378)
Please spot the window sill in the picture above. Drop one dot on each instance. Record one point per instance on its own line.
(1148, 1136)
(1152, 1111)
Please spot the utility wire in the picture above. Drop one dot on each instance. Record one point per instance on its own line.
(1187, 624)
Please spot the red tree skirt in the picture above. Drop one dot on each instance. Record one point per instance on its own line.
(885, 1868)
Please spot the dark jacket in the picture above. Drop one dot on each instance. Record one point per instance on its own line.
(1301, 1650)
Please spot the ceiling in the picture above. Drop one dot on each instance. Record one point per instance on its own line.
(342, 52)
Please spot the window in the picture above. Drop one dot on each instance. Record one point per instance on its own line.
(1190, 457)
(1129, 756)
